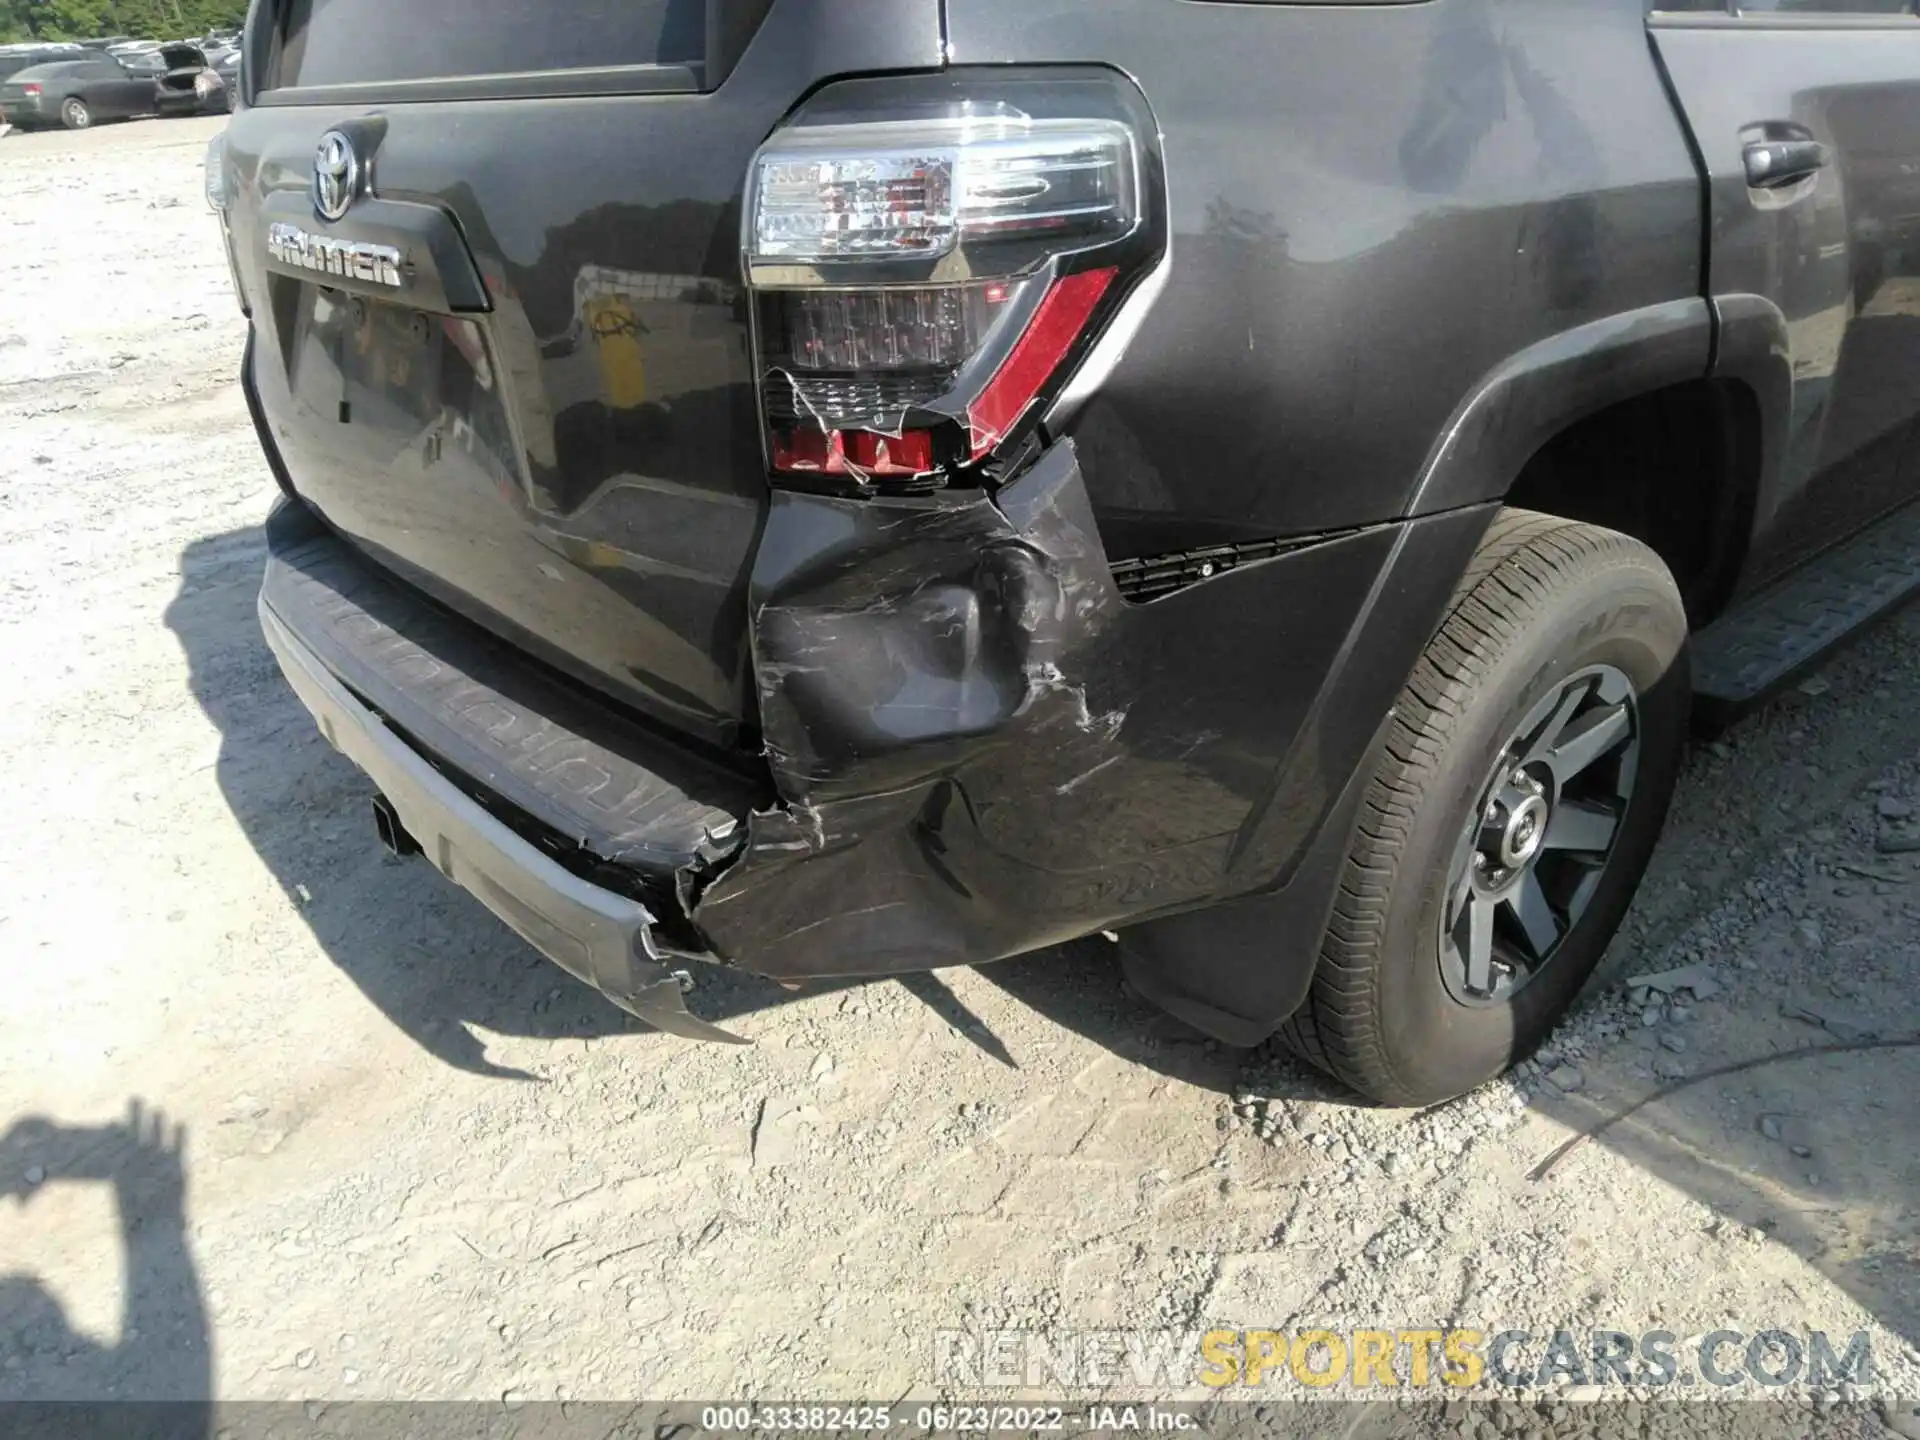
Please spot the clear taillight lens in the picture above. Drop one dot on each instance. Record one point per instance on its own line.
(919, 190)
(915, 284)
(216, 174)
(849, 206)
(215, 181)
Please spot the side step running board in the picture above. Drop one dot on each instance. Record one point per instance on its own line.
(1770, 638)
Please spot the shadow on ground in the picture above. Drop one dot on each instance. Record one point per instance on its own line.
(435, 964)
(1813, 1152)
(163, 1351)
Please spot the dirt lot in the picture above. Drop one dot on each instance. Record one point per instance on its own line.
(378, 1148)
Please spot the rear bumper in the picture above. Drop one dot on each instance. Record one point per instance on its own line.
(604, 938)
(974, 747)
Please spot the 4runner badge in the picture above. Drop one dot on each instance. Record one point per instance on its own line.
(349, 259)
(336, 175)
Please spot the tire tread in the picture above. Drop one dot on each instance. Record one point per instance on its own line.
(1523, 558)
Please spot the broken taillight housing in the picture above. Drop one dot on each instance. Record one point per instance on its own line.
(920, 284)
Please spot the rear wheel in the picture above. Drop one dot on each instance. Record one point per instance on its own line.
(1513, 807)
(75, 114)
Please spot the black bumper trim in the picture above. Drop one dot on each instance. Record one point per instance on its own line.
(603, 938)
(616, 789)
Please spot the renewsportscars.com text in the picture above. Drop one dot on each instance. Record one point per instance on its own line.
(1457, 1359)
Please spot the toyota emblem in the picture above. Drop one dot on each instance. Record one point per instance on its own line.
(336, 175)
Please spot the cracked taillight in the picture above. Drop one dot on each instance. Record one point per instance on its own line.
(919, 285)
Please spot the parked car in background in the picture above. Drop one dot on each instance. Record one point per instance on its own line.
(15, 58)
(75, 93)
(219, 82)
(140, 56)
(186, 83)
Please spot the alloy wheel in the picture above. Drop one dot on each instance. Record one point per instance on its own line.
(1533, 855)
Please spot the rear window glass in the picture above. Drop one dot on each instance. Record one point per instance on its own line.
(14, 64)
(348, 42)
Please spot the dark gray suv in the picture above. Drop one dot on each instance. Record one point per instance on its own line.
(837, 487)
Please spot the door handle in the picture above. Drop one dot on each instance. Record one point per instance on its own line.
(1775, 164)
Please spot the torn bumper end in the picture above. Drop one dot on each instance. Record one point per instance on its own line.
(604, 938)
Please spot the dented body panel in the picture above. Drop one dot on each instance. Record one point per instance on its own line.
(981, 748)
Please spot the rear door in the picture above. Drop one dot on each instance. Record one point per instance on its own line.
(137, 81)
(117, 90)
(1807, 115)
(550, 423)
(81, 78)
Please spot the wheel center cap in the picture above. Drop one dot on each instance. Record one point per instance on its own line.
(1526, 828)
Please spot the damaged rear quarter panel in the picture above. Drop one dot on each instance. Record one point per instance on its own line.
(981, 748)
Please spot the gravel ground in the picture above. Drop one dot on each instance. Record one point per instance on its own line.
(286, 1118)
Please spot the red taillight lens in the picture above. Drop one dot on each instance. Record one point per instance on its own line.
(32, 91)
(1059, 321)
(803, 449)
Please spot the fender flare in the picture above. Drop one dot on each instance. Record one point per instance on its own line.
(1755, 351)
(1535, 394)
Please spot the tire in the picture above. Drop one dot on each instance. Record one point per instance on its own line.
(75, 113)
(1552, 617)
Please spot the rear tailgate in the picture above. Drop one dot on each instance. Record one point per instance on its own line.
(183, 66)
(549, 423)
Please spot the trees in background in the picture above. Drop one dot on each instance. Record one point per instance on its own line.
(84, 19)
